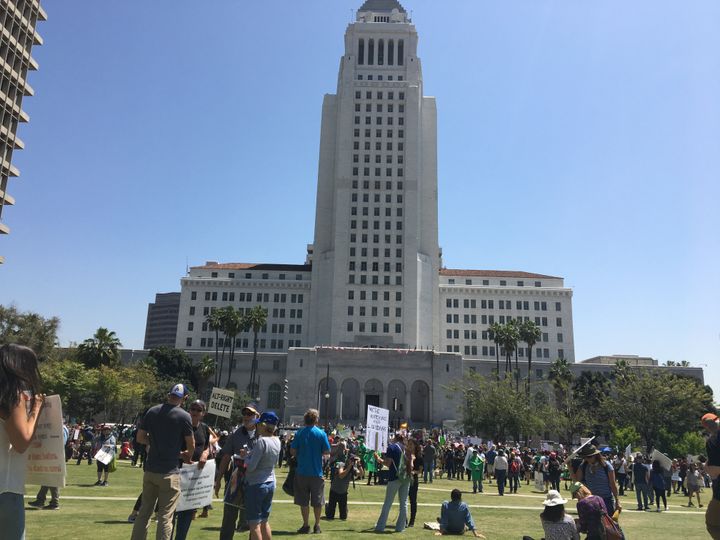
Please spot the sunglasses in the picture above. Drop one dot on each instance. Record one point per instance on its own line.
(196, 409)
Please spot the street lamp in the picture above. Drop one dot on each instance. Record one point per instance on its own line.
(327, 397)
(395, 409)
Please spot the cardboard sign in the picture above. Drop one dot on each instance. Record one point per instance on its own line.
(103, 456)
(665, 462)
(196, 486)
(376, 431)
(221, 402)
(46, 455)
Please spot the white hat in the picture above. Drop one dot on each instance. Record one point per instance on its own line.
(553, 498)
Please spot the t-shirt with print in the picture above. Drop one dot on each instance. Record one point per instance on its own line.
(311, 443)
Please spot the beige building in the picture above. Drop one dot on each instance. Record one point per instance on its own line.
(18, 19)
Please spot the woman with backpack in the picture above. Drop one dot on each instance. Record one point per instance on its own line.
(514, 470)
(554, 471)
(599, 476)
(593, 518)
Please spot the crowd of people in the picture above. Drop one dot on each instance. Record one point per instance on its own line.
(168, 437)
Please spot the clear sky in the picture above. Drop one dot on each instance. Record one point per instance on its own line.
(576, 139)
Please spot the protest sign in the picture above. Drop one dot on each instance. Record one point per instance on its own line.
(376, 430)
(539, 482)
(46, 455)
(221, 402)
(196, 486)
(628, 451)
(103, 456)
(665, 462)
(584, 442)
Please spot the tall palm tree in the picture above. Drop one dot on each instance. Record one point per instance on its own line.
(495, 331)
(530, 334)
(254, 320)
(510, 341)
(561, 378)
(214, 322)
(232, 325)
(204, 369)
(103, 349)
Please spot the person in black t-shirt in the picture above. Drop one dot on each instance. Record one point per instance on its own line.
(711, 424)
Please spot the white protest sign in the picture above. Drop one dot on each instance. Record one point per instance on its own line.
(221, 402)
(665, 462)
(584, 442)
(103, 456)
(196, 486)
(539, 482)
(376, 430)
(628, 451)
(46, 455)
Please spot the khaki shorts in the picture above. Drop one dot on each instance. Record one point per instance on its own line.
(309, 491)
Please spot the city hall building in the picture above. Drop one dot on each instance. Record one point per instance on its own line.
(373, 316)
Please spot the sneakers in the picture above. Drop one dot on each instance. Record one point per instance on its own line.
(104, 484)
(305, 529)
(52, 506)
(316, 529)
(98, 483)
(131, 518)
(36, 504)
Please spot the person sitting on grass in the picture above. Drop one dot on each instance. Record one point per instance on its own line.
(556, 524)
(455, 516)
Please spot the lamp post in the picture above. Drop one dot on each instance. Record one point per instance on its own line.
(395, 409)
(327, 397)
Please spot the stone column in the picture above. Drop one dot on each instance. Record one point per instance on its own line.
(339, 407)
(408, 408)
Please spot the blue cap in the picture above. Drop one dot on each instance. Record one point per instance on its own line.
(268, 418)
(179, 390)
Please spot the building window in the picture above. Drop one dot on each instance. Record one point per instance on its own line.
(193, 295)
(188, 342)
(192, 310)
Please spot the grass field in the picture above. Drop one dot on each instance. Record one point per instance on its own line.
(88, 512)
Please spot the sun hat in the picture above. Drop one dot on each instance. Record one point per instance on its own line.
(553, 498)
(588, 451)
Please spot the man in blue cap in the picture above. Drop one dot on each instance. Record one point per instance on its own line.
(164, 428)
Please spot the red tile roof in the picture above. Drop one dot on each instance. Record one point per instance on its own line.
(210, 265)
(493, 273)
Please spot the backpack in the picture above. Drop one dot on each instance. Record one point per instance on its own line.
(554, 465)
(609, 529)
(402, 472)
(514, 467)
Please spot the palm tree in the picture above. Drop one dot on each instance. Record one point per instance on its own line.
(495, 331)
(509, 343)
(561, 377)
(204, 370)
(232, 325)
(214, 322)
(530, 334)
(254, 320)
(103, 349)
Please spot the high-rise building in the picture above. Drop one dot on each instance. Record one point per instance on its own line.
(18, 19)
(376, 231)
(162, 321)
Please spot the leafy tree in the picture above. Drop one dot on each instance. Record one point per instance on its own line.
(530, 334)
(29, 329)
(103, 349)
(74, 383)
(561, 378)
(171, 363)
(620, 437)
(203, 371)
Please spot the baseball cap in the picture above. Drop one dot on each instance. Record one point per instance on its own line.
(179, 390)
(250, 407)
(268, 418)
(574, 487)
(709, 417)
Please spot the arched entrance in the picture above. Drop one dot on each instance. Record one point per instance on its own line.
(420, 401)
(373, 396)
(397, 402)
(350, 400)
(327, 406)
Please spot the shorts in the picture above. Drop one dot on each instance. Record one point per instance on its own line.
(309, 491)
(258, 501)
(490, 468)
(102, 467)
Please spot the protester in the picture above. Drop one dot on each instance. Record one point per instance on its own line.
(163, 428)
(477, 470)
(260, 476)
(398, 483)
(104, 442)
(711, 424)
(428, 461)
(413, 456)
(599, 477)
(620, 466)
(20, 404)
(343, 473)
(244, 437)
(310, 445)
(514, 471)
(501, 469)
(694, 484)
(675, 476)
(54, 504)
(556, 524)
(657, 481)
(199, 455)
(455, 516)
(641, 479)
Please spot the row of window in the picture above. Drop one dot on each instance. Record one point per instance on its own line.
(376, 185)
(362, 295)
(378, 159)
(472, 350)
(376, 252)
(243, 343)
(520, 305)
(363, 311)
(381, 57)
(374, 266)
(277, 313)
(454, 318)
(390, 121)
(378, 146)
(375, 238)
(503, 282)
(248, 297)
(379, 108)
(376, 211)
(485, 335)
(380, 95)
(372, 328)
(374, 280)
(365, 224)
(248, 275)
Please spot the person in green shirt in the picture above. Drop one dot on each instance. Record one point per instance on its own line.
(477, 469)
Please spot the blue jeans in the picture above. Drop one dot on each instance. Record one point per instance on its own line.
(610, 505)
(183, 520)
(12, 516)
(401, 489)
(258, 502)
(642, 490)
(427, 472)
(500, 478)
(477, 485)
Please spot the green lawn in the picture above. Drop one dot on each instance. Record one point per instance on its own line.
(508, 517)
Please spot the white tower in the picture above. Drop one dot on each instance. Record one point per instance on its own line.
(375, 256)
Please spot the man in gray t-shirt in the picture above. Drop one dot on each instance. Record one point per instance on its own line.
(164, 428)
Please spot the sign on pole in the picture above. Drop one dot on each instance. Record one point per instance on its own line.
(376, 430)
(196, 486)
(46, 455)
(221, 402)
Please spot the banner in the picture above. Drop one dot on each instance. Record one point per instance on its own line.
(221, 402)
(376, 430)
(46, 455)
(196, 486)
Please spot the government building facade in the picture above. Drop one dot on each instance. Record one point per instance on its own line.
(373, 316)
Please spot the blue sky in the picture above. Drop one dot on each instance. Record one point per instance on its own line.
(575, 139)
